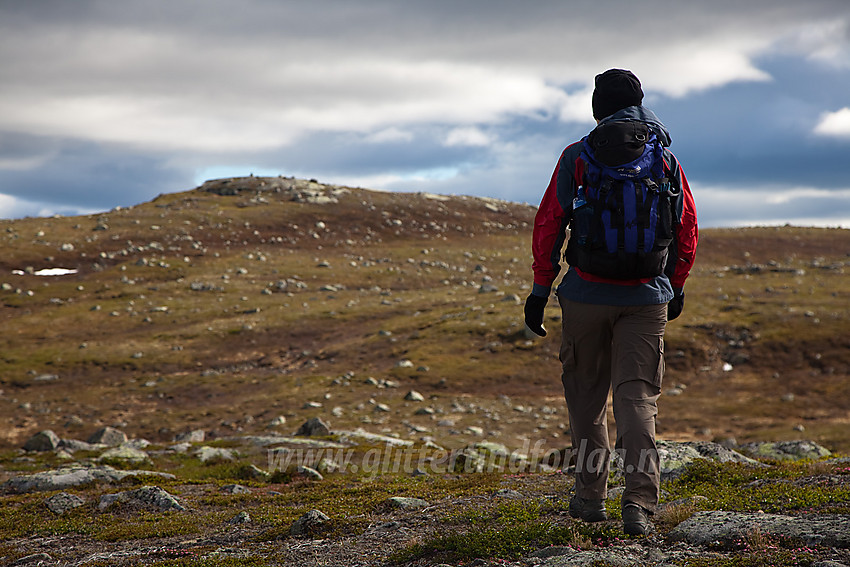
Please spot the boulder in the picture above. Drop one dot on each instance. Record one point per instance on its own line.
(414, 396)
(108, 436)
(240, 518)
(309, 524)
(194, 436)
(63, 502)
(313, 427)
(675, 457)
(151, 497)
(42, 441)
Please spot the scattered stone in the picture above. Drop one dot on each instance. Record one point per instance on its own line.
(108, 436)
(309, 473)
(64, 455)
(46, 377)
(553, 551)
(325, 466)
(313, 427)
(360, 436)
(42, 441)
(214, 454)
(492, 447)
(414, 396)
(35, 558)
(125, 453)
(269, 440)
(278, 421)
(194, 436)
(255, 473)
(705, 528)
(181, 447)
(63, 502)
(309, 524)
(512, 298)
(240, 519)
(787, 450)
(404, 364)
(565, 556)
(75, 420)
(234, 489)
(508, 493)
(146, 496)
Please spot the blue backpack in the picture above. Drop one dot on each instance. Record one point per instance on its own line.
(622, 218)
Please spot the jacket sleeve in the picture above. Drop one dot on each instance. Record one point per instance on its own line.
(550, 226)
(686, 230)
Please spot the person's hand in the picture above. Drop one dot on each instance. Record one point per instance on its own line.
(674, 308)
(534, 306)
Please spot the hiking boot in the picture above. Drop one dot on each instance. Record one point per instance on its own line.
(587, 509)
(635, 520)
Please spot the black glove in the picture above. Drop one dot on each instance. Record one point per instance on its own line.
(674, 308)
(534, 306)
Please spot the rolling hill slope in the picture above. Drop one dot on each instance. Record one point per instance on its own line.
(256, 303)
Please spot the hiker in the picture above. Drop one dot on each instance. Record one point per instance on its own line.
(632, 241)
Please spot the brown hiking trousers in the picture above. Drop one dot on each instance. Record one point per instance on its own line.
(619, 347)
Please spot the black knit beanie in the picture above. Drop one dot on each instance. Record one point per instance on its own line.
(615, 89)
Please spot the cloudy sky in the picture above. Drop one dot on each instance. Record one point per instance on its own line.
(108, 103)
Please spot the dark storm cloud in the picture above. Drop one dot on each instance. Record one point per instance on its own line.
(75, 175)
(110, 103)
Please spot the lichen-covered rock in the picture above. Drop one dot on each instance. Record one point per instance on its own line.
(147, 496)
(675, 457)
(787, 450)
(63, 502)
(125, 454)
(70, 477)
(404, 503)
(705, 528)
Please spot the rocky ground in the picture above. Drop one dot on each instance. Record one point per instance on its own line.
(363, 501)
(205, 328)
(109, 500)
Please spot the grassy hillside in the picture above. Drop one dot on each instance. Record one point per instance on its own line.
(229, 306)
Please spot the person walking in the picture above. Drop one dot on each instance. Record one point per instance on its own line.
(632, 242)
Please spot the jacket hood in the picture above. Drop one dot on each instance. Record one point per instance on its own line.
(642, 114)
